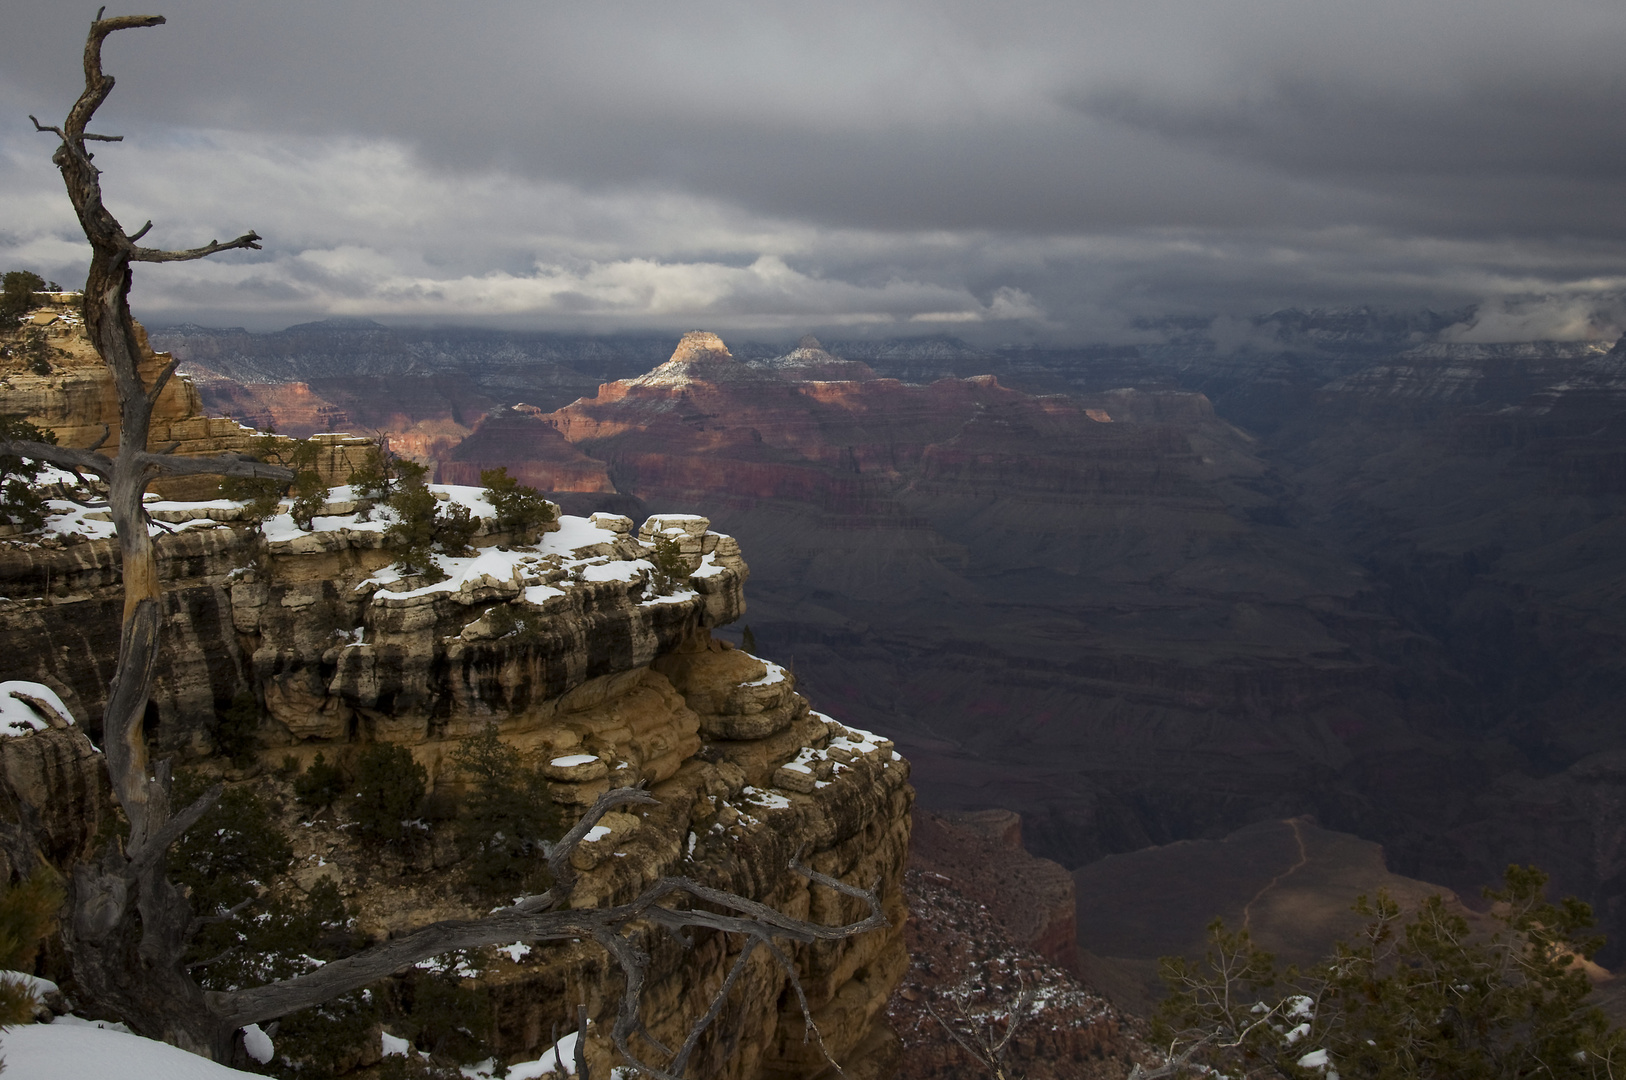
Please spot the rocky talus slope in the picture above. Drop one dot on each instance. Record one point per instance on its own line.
(577, 661)
(972, 972)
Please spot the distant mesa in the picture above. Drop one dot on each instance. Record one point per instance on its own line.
(700, 357)
(700, 345)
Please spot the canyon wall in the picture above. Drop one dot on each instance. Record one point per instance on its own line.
(1159, 592)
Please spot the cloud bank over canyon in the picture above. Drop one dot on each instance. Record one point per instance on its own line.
(1036, 171)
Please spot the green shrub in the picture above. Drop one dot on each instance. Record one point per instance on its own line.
(309, 498)
(455, 529)
(671, 568)
(389, 792)
(228, 862)
(519, 510)
(329, 1040)
(380, 474)
(28, 912)
(21, 502)
(319, 786)
(1420, 996)
(423, 526)
(411, 539)
(233, 846)
(237, 730)
(17, 291)
(506, 817)
(440, 1016)
(259, 494)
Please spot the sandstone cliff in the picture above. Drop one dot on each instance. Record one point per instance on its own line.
(76, 399)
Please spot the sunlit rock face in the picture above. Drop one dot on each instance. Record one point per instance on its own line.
(77, 400)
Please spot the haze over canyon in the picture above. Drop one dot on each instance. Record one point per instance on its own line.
(1138, 594)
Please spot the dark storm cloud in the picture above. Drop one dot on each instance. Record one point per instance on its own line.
(1062, 166)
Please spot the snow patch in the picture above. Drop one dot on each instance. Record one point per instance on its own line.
(17, 717)
(77, 1049)
(258, 1044)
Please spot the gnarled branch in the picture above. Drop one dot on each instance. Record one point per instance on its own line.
(614, 928)
(249, 239)
(159, 464)
(67, 457)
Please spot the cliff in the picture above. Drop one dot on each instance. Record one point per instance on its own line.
(76, 399)
(579, 663)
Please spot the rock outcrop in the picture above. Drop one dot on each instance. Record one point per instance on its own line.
(982, 854)
(76, 398)
(570, 651)
(970, 970)
(533, 451)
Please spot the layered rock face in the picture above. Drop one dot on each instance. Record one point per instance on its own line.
(566, 649)
(77, 400)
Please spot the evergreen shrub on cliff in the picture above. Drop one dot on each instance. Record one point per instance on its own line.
(519, 510)
(1411, 997)
(237, 731)
(389, 793)
(28, 911)
(17, 291)
(423, 526)
(319, 786)
(671, 568)
(22, 503)
(379, 476)
(505, 818)
(262, 496)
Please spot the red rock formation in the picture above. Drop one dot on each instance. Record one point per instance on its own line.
(531, 449)
(982, 853)
(705, 427)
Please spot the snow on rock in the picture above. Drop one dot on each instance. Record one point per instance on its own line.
(1315, 1059)
(561, 1053)
(74, 1049)
(38, 986)
(258, 1044)
(19, 717)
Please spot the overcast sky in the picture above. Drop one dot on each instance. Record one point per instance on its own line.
(1008, 171)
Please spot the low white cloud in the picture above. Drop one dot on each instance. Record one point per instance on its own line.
(366, 227)
(1582, 315)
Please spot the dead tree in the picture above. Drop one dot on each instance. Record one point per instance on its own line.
(128, 926)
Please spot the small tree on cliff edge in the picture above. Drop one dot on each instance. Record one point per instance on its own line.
(129, 927)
